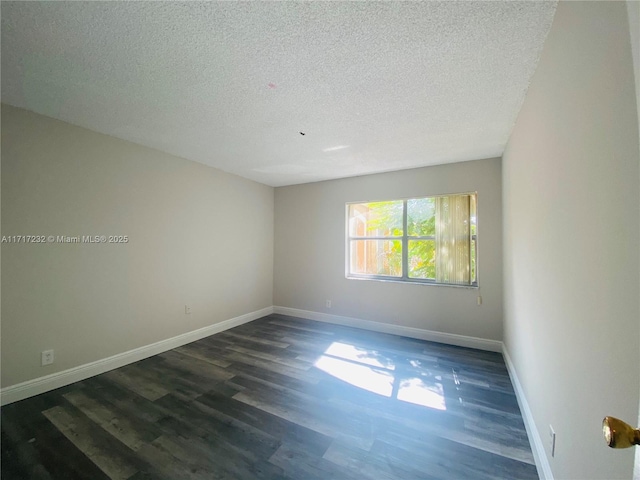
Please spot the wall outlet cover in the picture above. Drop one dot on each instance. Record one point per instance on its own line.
(47, 357)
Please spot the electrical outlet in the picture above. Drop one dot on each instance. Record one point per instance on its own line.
(187, 310)
(328, 303)
(552, 441)
(47, 357)
(479, 300)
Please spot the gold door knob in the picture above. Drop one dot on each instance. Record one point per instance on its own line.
(619, 434)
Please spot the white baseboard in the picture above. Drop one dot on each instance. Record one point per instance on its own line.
(539, 454)
(40, 385)
(430, 335)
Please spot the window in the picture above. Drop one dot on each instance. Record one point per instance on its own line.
(425, 240)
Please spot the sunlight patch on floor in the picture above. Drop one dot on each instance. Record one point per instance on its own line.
(382, 375)
(361, 376)
(361, 355)
(416, 391)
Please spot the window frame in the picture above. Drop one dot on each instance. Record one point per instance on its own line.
(404, 239)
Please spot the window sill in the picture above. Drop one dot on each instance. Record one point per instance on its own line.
(409, 282)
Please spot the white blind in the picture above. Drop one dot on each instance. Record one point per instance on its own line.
(453, 244)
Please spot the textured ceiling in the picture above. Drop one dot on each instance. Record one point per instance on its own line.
(373, 86)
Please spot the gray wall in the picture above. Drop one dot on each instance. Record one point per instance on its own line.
(571, 226)
(198, 236)
(310, 252)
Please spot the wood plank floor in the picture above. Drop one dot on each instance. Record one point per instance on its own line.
(279, 398)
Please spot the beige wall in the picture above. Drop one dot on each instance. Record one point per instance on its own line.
(198, 236)
(310, 252)
(571, 223)
(633, 10)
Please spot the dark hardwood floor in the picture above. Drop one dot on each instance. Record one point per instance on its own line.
(280, 398)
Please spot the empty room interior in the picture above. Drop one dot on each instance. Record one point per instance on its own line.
(313, 240)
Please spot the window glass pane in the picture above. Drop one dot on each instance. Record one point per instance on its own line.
(377, 219)
(422, 259)
(376, 257)
(421, 217)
